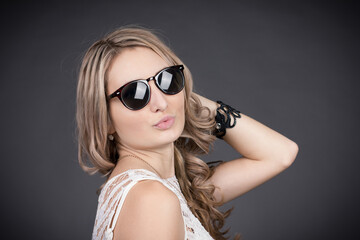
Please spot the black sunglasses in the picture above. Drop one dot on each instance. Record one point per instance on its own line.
(136, 94)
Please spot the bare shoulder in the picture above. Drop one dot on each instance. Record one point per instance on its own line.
(150, 211)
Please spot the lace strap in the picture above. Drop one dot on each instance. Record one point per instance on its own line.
(110, 227)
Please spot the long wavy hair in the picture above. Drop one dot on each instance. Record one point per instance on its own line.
(96, 153)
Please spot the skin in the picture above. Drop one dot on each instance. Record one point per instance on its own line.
(135, 129)
(150, 210)
(265, 152)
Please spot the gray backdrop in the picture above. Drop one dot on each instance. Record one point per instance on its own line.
(292, 65)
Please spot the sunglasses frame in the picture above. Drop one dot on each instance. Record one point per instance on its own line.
(117, 93)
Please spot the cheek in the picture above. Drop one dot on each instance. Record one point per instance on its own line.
(134, 128)
(125, 121)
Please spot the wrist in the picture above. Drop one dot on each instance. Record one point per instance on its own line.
(225, 118)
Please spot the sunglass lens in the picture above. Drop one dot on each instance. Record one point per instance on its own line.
(135, 95)
(171, 81)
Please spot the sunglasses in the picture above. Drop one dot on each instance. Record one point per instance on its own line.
(136, 94)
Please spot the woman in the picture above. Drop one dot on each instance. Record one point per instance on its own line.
(146, 135)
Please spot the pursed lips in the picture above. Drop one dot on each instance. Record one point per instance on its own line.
(165, 123)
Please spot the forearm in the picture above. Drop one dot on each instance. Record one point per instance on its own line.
(254, 140)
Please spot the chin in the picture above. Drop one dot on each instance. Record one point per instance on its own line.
(170, 135)
(157, 137)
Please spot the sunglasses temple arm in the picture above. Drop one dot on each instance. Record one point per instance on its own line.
(114, 94)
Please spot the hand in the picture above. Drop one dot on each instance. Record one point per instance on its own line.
(208, 103)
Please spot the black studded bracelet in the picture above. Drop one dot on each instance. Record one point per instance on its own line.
(223, 119)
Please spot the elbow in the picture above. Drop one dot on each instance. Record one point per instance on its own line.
(291, 153)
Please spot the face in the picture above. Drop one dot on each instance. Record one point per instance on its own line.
(140, 129)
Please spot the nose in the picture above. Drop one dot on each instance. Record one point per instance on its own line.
(158, 101)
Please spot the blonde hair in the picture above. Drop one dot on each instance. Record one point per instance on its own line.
(97, 154)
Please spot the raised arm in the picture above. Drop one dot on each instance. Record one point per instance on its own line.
(265, 153)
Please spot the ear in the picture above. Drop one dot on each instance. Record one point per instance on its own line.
(111, 129)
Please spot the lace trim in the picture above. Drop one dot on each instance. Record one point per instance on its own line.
(114, 194)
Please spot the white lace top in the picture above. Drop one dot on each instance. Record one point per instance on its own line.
(113, 195)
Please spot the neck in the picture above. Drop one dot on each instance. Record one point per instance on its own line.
(162, 158)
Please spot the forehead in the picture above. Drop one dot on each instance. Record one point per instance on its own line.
(132, 64)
